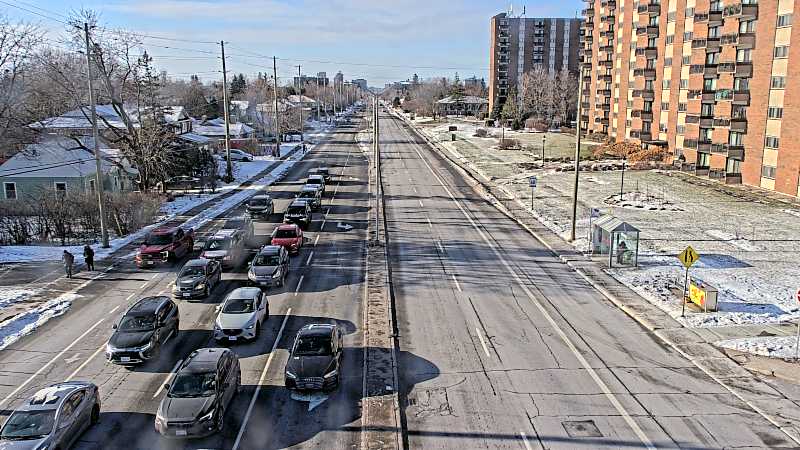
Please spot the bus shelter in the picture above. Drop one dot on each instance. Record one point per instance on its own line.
(618, 239)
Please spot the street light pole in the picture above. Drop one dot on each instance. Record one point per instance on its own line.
(277, 123)
(300, 100)
(577, 156)
(544, 139)
(98, 180)
(622, 180)
(229, 165)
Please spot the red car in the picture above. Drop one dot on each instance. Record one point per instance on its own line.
(289, 236)
(164, 244)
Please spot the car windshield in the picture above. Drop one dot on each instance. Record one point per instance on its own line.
(307, 194)
(192, 271)
(313, 346)
(238, 306)
(137, 323)
(283, 234)
(258, 202)
(29, 424)
(218, 244)
(158, 239)
(296, 210)
(267, 260)
(314, 181)
(193, 385)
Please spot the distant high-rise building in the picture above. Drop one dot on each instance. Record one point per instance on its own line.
(520, 44)
(320, 80)
(338, 79)
(710, 81)
(361, 83)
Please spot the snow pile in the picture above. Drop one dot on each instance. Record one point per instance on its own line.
(640, 200)
(24, 324)
(9, 296)
(773, 346)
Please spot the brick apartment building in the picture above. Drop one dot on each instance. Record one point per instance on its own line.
(520, 44)
(717, 82)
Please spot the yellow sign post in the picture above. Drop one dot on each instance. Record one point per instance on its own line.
(687, 257)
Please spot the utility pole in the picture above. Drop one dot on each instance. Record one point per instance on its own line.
(577, 155)
(277, 123)
(98, 179)
(229, 165)
(300, 100)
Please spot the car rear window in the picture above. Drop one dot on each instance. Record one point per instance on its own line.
(285, 234)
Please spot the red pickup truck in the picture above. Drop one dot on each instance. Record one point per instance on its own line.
(164, 245)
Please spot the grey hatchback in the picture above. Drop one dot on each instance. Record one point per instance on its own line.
(53, 418)
(199, 394)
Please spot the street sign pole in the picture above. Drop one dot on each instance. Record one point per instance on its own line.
(797, 344)
(687, 258)
(685, 285)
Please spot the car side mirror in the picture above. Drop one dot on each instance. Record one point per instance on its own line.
(306, 239)
(250, 264)
(166, 386)
(114, 327)
(218, 308)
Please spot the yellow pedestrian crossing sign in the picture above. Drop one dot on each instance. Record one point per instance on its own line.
(688, 257)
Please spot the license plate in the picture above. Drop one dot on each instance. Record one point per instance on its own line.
(149, 263)
(232, 338)
(180, 432)
(125, 359)
(187, 294)
(264, 283)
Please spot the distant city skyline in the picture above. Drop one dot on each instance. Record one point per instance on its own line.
(378, 42)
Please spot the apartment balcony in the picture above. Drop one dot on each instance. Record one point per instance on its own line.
(648, 94)
(692, 118)
(606, 63)
(710, 70)
(729, 39)
(746, 40)
(607, 34)
(708, 96)
(700, 17)
(589, 39)
(695, 69)
(721, 122)
(706, 121)
(744, 69)
(585, 105)
(704, 146)
(651, 9)
(739, 124)
(648, 74)
(642, 114)
(607, 48)
(605, 106)
(607, 18)
(698, 43)
(742, 11)
(736, 152)
(588, 12)
(649, 30)
(713, 43)
(733, 178)
(723, 95)
(726, 67)
(605, 92)
(741, 98)
(715, 17)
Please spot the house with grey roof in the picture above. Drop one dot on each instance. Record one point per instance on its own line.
(462, 105)
(63, 164)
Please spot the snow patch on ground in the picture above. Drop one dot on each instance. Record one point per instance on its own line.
(772, 346)
(640, 200)
(26, 323)
(732, 239)
(9, 296)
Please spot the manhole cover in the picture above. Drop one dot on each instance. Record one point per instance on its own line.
(581, 428)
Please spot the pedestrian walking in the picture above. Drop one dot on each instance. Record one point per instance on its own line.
(68, 259)
(88, 255)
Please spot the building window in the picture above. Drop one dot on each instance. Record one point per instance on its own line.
(670, 39)
(772, 142)
(689, 12)
(778, 82)
(630, 104)
(715, 5)
(664, 106)
(747, 26)
(768, 172)
(686, 60)
(681, 107)
(703, 160)
(741, 84)
(733, 166)
(684, 84)
(775, 112)
(671, 16)
(743, 55)
(687, 36)
(781, 52)
(10, 190)
(681, 129)
(784, 20)
(665, 83)
(667, 62)
(714, 32)
(712, 58)
(662, 127)
(735, 139)
(61, 187)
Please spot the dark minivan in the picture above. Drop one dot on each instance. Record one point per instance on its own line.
(142, 330)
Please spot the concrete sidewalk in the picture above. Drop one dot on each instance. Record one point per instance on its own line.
(728, 370)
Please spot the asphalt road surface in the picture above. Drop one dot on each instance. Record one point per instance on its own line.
(326, 284)
(503, 346)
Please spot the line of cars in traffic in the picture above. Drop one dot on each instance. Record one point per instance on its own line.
(205, 383)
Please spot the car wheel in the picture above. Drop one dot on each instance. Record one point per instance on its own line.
(95, 414)
(206, 291)
(220, 420)
(257, 331)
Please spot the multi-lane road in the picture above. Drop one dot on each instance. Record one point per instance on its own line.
(500, 345)
(326, 284)
(503, 346)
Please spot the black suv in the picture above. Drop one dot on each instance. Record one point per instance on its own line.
(142, 330)
(199, 394)
(312, 195)
(197, 278)
(298, 212)
(316, 359)
(260, 205)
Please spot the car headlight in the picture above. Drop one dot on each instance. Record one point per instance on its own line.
(277, 274)
(145, 347)
(160, 419)
(332, 373)
(207, 417)
(251, 275)
(291, 375)
(165, 254)
(250, 325)
(200, 287)
(110, 349)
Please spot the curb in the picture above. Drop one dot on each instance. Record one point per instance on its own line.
(711, 361)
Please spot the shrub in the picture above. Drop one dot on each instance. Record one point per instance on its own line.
(481, 133)
(509, 144)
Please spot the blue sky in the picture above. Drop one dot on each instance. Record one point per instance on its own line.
(427, 37)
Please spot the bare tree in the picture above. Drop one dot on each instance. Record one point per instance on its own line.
(536, 94)
(565, 94)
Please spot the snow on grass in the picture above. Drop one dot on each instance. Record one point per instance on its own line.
(772, 346)
(11, 295)
(640, 200)
(24, 324)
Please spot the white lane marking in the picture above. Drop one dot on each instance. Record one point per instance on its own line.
(85, 363)
(299, 282)
(415, 189)
(260, 382)
(483, 343)
(311, 255)
(131, 296)
(430, 225)
(169, 377)
(600, 383)
(73, 358)
(316, 240)
(455, 280)
(144, 284)
(421, 204)
(525, 440)
(441, 247)
(50, 363)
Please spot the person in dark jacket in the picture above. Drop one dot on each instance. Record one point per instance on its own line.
(88, 255)
(68, 259)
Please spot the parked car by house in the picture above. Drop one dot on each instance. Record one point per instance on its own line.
(239, 155)
(164, 244)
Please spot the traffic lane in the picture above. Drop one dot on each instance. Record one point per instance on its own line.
(500, 377)
(674, 376)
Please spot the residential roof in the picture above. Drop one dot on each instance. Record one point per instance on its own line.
(173, 114)
(58, 157)
(216, 128)
(297, 99)
(194, 138)
(80, 118)
(464, 99)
